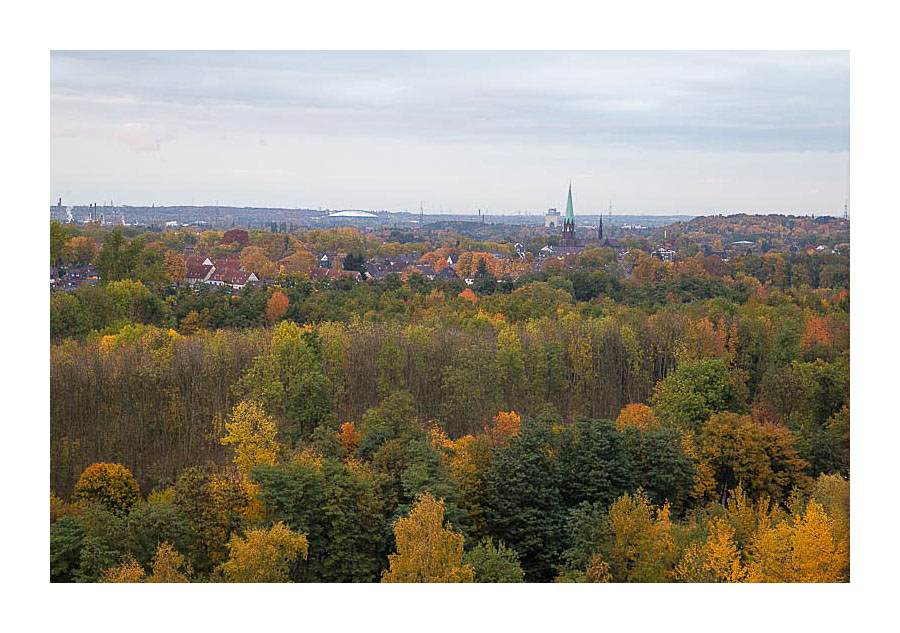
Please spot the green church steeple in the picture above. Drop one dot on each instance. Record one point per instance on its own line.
(568, 234)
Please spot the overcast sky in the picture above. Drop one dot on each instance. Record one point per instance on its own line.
(655, 132)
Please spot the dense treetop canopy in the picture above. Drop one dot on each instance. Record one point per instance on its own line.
(602, 417)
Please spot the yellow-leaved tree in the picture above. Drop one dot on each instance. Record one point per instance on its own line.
(252, 433)
(111, 485)
(808, 549)
(129, 571)
(598, 570)
(256, 260)
(833, 492)
(716, 560)
(643, 549)
(176, 268)
(299, 262)
(470, 460)
(264, 555)
(58, 507)
(427, 551)
(817, 555)
(169, 566)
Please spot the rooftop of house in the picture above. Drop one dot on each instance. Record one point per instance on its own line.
(196, 260)
(426, 270)
(232, 276)
(225, 262)
(197, 271)
(318, 273)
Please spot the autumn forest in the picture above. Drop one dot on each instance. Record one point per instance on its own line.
(608, 415)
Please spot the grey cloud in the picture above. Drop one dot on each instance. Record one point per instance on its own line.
(698, 131)
(736, 101)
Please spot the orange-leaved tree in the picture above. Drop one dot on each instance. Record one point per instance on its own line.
(276, 307)
(505, 425)
(349, 437)
(639, 416)
(468, 295)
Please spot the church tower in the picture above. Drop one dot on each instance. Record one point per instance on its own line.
(568, 236)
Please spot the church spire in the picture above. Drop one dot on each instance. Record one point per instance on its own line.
(568, 236)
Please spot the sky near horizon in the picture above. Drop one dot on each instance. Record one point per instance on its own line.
(652, 132)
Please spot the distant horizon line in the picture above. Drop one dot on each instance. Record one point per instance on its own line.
(475, 213)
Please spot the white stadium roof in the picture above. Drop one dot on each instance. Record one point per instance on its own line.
(352, 214)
